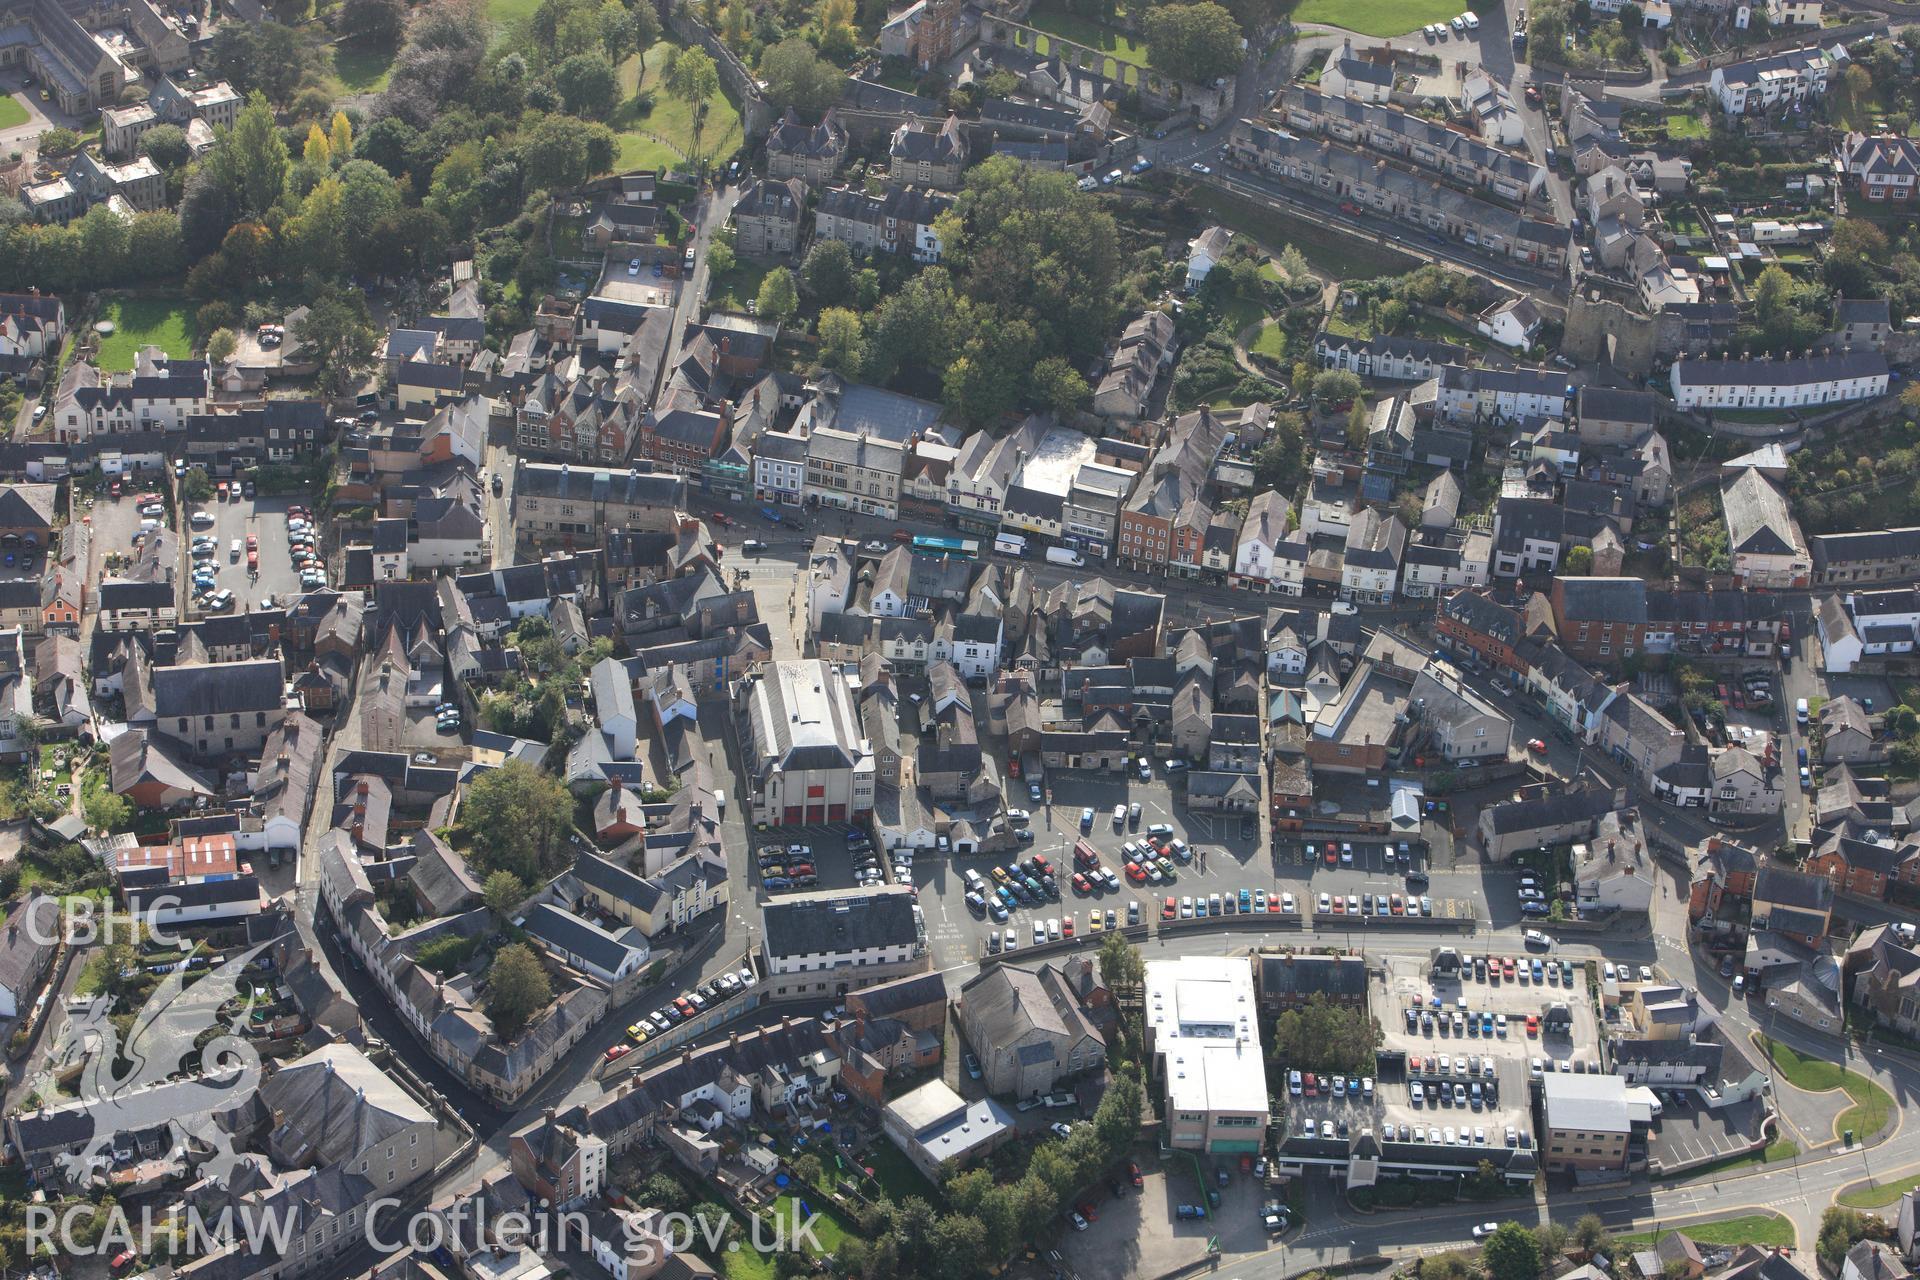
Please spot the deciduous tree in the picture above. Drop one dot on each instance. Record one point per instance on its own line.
(340, 333)
(841, 338)
(503, 892)
(588, 85)
(1511, 1253)
(165, 145)
(798, 77)
(1057, 386)
(692, 78)
(829, 272)
(778, 297)
(221, 344)
(1322, 1036)
(517, 988)
(519, 817)
(1193, 42)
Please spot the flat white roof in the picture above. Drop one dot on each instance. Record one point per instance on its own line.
(1057, 460)
(1207, 1033)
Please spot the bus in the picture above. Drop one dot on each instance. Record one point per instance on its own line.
(947, 548)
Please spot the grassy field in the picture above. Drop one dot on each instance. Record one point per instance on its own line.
(1065, 23)
(1880, 1194)
(1872, 1106)
(93, 975)
(504, 11)
(1682, 128)
(1384, 18)
(898, 1176)
(12, 114)
(1327, 251)
(1271, 342)
(662, 137)
(732, 291)
(747, 1263)
(1765, 1229)
(140, 322)
(363, 70)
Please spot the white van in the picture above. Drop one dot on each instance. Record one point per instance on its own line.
(720, 800)
(1800, 711)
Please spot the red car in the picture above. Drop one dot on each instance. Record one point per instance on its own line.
(1506, 968)
(619, 1051)
(1066, 927)
(1168, 910)
(722, 519)
(685, 1006)
(1081, 884)
(1013, 766)
(1087, 1211)
(1533, 1025)
(121, 1259)
(1135, 873)
(1537, 745)
(1040, 861)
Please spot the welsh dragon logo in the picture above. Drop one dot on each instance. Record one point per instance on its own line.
(159, 1045)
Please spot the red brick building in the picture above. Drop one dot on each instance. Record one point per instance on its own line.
(1861, 867)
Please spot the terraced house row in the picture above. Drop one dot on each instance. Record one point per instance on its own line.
(1369, 181)
(1416, 140)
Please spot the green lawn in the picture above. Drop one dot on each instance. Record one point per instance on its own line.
(363, 70)
(1065, 23)
(1271, 343)
(12, 114)
(1766, 1229)
(140, 322)
(504, 11)
(662, 137)
(1436, 329)
(898, 1176)
(747, 1263)
(1872, 1106)
(93, 975)
(731, 291)
(1681, 128)
(1384, 18)
(1880, 1194)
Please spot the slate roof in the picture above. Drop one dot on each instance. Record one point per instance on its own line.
(1800, 371)
(574, 935)
(1793, 889)
(1758, 521)
(1305, 976)
(336, 1105)
(836, 920)
(1553, 810)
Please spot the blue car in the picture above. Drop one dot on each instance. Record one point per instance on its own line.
(1246, 901)
(777, 882)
